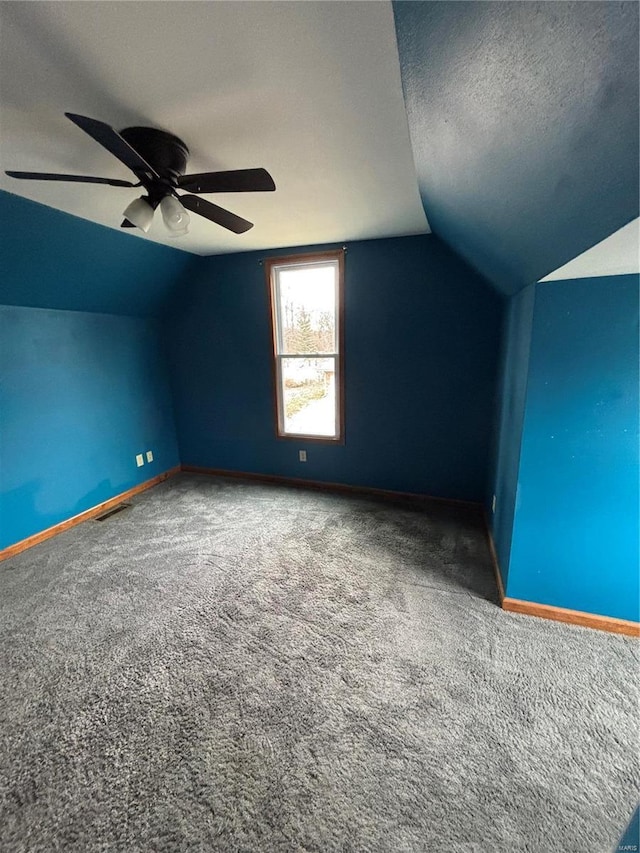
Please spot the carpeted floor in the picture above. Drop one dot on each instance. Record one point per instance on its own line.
(231, 666)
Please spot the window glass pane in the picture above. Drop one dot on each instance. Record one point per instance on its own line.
(308, 388)
(307, 309)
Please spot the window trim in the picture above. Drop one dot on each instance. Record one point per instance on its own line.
(308, 259)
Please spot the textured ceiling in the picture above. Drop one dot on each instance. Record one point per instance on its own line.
(310, 91)
(524, 126)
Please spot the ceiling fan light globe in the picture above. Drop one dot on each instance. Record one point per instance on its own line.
(140, 214)
(174, 215)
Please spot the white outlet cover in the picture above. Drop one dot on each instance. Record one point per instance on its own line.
(139, 460)
(302, 455)
(149, 455)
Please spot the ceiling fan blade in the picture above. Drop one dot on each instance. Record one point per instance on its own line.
(126, 224)
(235, 181)
(114, 143)
(216, 214)
(78, 179)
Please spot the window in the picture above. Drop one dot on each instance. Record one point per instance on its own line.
(306, 312)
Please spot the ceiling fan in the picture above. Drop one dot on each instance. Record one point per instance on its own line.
(159, 160)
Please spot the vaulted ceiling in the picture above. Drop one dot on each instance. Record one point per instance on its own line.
(517, 134)
(311, 91)
(524, 125)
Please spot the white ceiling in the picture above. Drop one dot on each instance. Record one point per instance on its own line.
(618, 254)
(310, 91)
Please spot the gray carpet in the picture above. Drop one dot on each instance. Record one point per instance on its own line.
(232, 666)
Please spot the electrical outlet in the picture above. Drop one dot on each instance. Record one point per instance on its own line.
(493, 504)
(149, 455)
(139, 460)
(302, 455)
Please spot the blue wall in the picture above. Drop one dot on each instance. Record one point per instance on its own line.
(80, 393)
(516, 340)
(575, 536)
(80, 396)
(524, 127)
(49, 259)
(422, 337)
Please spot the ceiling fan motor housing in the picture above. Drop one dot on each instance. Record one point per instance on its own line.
(166, 153)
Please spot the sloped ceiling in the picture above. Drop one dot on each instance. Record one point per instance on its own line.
(311, 91)
(49, 259)
(524, 125)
